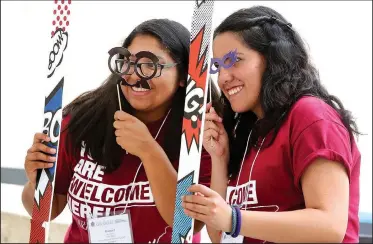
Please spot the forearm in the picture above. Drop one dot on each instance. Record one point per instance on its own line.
(299, 226)
(162, 178)
(59, 201)
(28, 197)
(219, 180)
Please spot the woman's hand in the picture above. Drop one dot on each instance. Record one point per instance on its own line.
(39, 156)
(132, 134)
(215, 138)
(209, 207)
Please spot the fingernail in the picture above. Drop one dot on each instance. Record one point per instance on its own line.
(52, 158)
(52, 150)
(50, 165)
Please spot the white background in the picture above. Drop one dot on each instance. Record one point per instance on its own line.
(339, 35)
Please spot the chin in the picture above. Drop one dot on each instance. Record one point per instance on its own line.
(139, 106)
(239, 108)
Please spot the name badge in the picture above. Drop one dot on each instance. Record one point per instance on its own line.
(229, 239)
(110, 229)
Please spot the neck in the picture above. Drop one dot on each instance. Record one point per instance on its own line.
(151, 116)
(258, 111)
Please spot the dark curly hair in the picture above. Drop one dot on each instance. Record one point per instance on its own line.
(289, 75)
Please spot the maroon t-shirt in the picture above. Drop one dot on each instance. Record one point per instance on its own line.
(313, 129)
(80, 177)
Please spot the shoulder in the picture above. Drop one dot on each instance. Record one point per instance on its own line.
(314, 115)
(316, 131)
(309, 109)
(65, 137)
(65, 123)
(65, 120)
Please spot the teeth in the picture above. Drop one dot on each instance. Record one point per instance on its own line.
(139, 89)
(235, 90)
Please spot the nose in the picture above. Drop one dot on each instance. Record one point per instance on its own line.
(224, 77)
(132, 78)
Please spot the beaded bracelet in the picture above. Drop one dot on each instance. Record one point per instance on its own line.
(234, 221)
(238, 224)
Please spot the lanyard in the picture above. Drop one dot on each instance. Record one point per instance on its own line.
(137, 172)
(252, 165)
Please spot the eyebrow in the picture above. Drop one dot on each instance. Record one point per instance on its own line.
(237, 54)
(160, 57)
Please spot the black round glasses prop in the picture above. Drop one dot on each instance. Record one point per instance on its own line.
(146, 66)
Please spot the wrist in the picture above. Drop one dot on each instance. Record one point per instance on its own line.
(150, 150)
(234, 228)
(230, 228)
(30, 185)
(238, 222)
(220, 160)
(219, 168)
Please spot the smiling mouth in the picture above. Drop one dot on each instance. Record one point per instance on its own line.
(139, 89)
(234, 90)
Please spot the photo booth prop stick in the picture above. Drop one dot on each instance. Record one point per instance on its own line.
(194, 115)
(54, 84)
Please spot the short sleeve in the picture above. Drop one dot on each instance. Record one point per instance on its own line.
(322, 139)
(205, 169)
(64, 169)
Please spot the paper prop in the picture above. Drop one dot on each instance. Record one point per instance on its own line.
(146, 66)
(218, 63)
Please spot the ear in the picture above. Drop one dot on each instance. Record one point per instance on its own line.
(182, 83)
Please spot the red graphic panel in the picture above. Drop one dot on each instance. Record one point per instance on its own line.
(41, 215)
(61, 14)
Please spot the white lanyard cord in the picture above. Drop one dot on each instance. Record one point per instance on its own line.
(243, 158)
(138, 169)
(252, 165)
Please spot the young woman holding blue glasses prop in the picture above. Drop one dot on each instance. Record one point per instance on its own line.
(285, 163)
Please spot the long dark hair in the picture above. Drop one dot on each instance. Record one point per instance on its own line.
(92, 113)
(289, 75)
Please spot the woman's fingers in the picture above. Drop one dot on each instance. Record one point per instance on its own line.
(208, 106)
(211, 133)
(194, 215)
(201, 209)
(197, 199)
(211, 125)
(213, 117)
(39, 156)
(34, 165)
(39, 137)
(40, 147)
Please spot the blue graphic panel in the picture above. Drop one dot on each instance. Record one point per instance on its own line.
(182, 222)
(52, 127)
